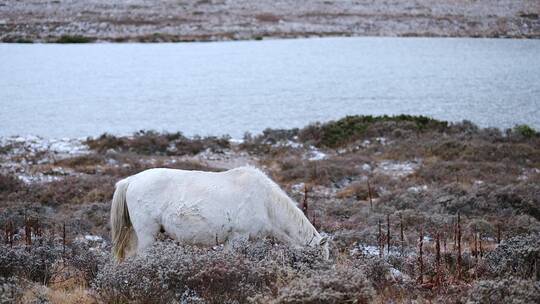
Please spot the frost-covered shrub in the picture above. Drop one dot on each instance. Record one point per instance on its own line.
(511, 290)
(155, 143)
(34, 263)
(267, 250)
(373, 267)
(9, 183)
(39, 262)
(10, 290)
(518, 256)
(86, 261)
(343, 284)
(166, 271)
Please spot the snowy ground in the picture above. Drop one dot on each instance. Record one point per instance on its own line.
(171, 20)
(20, 155)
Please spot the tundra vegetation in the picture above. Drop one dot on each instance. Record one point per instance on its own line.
(416, 209)
(79, 21)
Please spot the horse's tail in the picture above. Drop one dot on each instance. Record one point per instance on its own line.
(122, 232)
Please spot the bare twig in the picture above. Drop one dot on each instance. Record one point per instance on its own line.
(480, 245)
(305, 200)
(438, 258)
(475, 247)
(388, 234)
(421, 257)
(458, 267)
(369, 195)
(499, 235)
(380, 240)
(27, 231)
(402, 235)
(9, 233)
(63, 238)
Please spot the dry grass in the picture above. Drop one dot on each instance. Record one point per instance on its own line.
(77, 295)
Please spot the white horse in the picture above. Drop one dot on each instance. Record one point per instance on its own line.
(205, 208)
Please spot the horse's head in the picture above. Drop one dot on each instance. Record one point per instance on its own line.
(323, 244)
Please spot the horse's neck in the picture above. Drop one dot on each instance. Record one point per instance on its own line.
(290, 218)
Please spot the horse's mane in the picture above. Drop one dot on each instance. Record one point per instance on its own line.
(283, 201)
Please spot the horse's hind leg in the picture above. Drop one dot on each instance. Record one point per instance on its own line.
(146, 231)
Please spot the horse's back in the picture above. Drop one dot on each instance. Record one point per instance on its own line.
(227, 191)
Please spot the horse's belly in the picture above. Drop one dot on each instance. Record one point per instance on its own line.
(198, 224)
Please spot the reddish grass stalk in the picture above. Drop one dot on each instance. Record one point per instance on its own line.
(421, 257)
(458, 266)
(438, 258)
(475, 247)
(380, 240)
(315, 221)
(388, 234)
(444, 237)
(9, 233)
(369, 195)
(480, 245)
(6, 231)
(305, 200)
(455, 235)
(402, 235)
(63, 238)
(499, 233)
(39, 232)
(27, 232)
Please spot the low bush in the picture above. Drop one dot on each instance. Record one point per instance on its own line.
(74, 39)
(154, 143)
(34, 263)
(510, 290)
(525, 131)
(46, 259)
(350, 128)
(344, 284)
(167, 272)
(73, 190)
(10, 289)
(518, 256)
(9, 184)
(322, 172)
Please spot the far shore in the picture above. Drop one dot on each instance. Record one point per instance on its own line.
(209, 20)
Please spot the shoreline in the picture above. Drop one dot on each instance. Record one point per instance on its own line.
(316, 141)
(214, 20)
(45, 138)
(82, 39)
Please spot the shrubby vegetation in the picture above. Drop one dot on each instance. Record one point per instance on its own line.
(152, 143)
(375, 185)
(74, 39)
(341, 132)
(505, 291)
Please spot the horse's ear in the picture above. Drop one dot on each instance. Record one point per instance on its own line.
(323, 241)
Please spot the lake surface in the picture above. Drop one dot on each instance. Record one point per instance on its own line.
(233, 87)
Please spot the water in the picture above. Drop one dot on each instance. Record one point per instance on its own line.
(233, 87)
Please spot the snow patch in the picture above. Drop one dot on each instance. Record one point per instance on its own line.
(527, 172)
(21, 152)
(288, 143)
(366, 167)
(397, 169)
(417, 189)
(315, 154)
(372, 250)
(93, 238)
